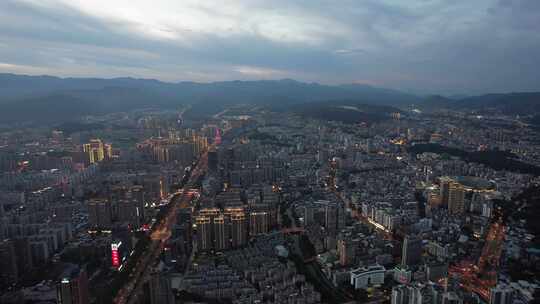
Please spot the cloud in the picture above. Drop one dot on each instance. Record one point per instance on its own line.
(265, 73)
(349, 51)
(433, 46)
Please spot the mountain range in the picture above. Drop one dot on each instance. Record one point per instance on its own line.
(52, 99)
(523, 103)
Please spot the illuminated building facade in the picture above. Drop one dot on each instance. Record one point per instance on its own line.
(258, 223)
(118, 254)
(456, 199)
(238, 229)
(73, 287)
(204, 233)
(97, 151)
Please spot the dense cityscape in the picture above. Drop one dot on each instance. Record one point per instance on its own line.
(269, 152)
(255, 206)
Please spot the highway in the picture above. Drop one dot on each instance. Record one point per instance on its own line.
(481, 277)
(159, 236)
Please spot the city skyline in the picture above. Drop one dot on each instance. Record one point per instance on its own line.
(256, 152)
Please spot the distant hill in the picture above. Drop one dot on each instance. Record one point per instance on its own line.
(495, 159)
(436, 102)
(46, 98)
(50, 108)
(260, 92)
(511, 103)
(69, 105)
(346, 111)
(22, 96)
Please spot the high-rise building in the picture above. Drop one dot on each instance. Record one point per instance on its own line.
(137, 193)
(213, 160)
(158, 290)
(433, 202)
(3, 227)
(501, 294)
(417, 293)
(8, 162)
(100, 213)
(334, 218)
(8, 263)
(363, 277)
(73, 287)
(39, 250)
(400, 294)
(130, 211)
(436, 270)
(209, 212)
(217, 230)
(411, 251)
(444, 188)
(184, 228)
(309, 215)
(230, 199)
(97, 150)
(238, 230)
(258, 222)
(456, 198)
(23, 255)
(330, 218)
(452, 195)
(204, 232)
(221, 233)
(347, 251)
(271, 199)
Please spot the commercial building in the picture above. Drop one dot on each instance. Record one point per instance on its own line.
(502, 294)
(452, 195)
(100, 213)
(73, 287)
(258, 222)
(221, 233)
(334, 217)
(222, 230)
(364, 277)
(456, 199)
(347, 249)
(204, 233)
(411, 251)
(119, 254)
(97, 151)
(238, 229)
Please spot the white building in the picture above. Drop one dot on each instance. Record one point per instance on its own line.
(367, 276)
(501, 294)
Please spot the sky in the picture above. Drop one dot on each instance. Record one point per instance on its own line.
(420, 46)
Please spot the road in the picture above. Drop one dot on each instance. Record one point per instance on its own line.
(481, 277)
(218, 115)
(159, 236)
(364, 219)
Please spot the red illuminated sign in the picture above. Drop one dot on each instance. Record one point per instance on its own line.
(115, 257)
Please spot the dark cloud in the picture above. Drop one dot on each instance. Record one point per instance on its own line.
(425, 46)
